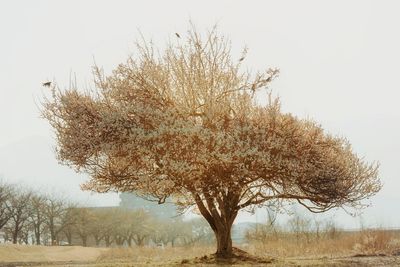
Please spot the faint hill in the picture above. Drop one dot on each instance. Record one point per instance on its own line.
(31, 162)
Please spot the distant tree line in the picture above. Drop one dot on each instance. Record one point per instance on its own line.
(27, 216)
(30, 217)
(114, 226)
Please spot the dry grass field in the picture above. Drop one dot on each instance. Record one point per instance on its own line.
(363, 248)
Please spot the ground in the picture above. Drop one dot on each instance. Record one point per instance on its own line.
(75, 256)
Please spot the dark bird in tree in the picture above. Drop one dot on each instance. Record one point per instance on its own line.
(241, 59)
(177, 35)
(253, 87)
(46, 84)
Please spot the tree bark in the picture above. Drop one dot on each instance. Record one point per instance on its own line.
(224, 242)
(119, 241)
(15, 236)
(139, 240)
(38, 240)
(52, 232)
(37, 235)
(69, 238)
(84, 240)
(108, 241)
(220, 221)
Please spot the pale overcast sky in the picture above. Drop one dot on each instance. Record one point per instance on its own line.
(339, 62)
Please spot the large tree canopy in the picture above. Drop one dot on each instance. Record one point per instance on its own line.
(183, 123)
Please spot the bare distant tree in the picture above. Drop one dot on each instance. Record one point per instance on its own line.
(20, 210)
(108, 222)
(300, 226)
(6, 192)
(38, 216)
(68, 222)
(174, 228)
(119, 225)
(97, 228)
(83, 218)
(122, 228)
(141, 228)
(57, 217)
(159, 233)
(136, 221)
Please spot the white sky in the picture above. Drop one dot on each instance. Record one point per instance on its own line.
(339, 62)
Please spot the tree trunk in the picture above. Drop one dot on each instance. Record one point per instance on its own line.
(119, 241)
(69, 238)
(97, 240)
(15, 236)
(37, 237)
(107, 239)
(139, 240)
(84, 240)
(26, 239)
(220, 220)
(52, 232)
(224, 242)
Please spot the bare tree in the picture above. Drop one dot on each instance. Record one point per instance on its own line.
(38, 216)
(83, 218)
(6, 192)
(159, 234)
(184, 122)
(174, 229)
(138, 226)
(122, 229)
(141, 228)
(300, 226)
(20, 210)
(108, 224)
(56, 217)
(331, 229)
(97, 227)
(270, 230)
(68, 228)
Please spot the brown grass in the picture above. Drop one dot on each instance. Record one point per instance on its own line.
(26, 253)
(280, 250)
(378, 242)
(364, 242)
(153, 255)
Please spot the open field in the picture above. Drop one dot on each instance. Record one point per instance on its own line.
(75, 256)
(367, 247)
(41, 254)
